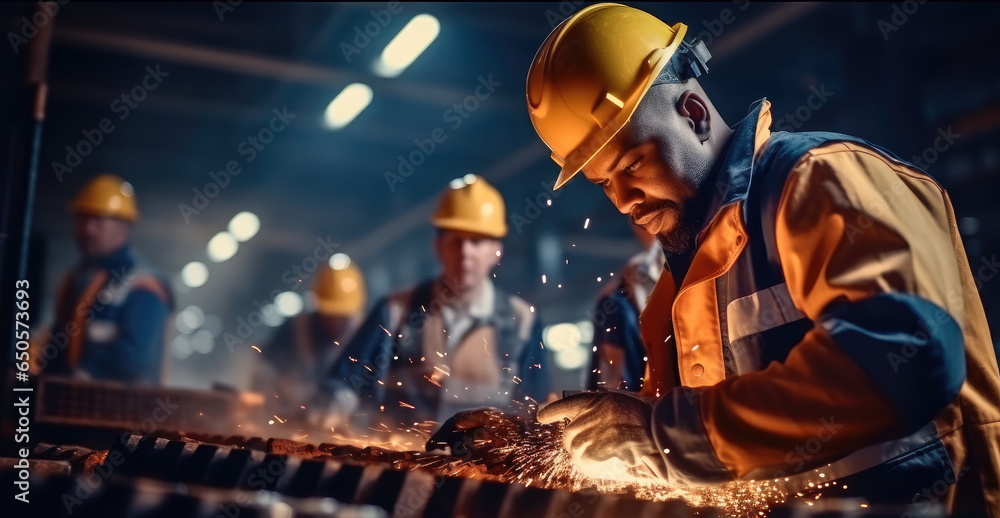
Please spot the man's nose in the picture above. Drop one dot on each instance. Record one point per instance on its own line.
(625, 195)
(467, 247)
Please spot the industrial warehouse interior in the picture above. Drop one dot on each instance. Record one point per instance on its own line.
(287, 179)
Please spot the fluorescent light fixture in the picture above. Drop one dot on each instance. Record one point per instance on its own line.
(244, 226)
(350, 102)
(194, 274)
(222, 247)
(411, 41)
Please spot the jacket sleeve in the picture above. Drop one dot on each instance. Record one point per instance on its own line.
(533, 367)
(866, 250)
(363, 363)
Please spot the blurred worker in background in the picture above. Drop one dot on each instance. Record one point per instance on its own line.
(817, 290)
(620, 358)
(112, 306)
(451, 343)
(303, 349)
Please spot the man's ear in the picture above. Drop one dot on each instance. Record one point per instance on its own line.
(694, 108)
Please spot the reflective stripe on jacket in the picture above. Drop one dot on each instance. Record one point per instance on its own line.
(828, 323)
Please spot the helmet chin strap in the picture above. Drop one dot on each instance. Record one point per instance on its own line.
(689, 60)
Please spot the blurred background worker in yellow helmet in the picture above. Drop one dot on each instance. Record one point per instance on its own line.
(816, 286)
(292, 364)
(112, 306)
(451, 343)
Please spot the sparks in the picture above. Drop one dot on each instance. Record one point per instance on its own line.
(586, 224)
(404, 404)
(256, 348)
(280, 420)
(386, 331)
(543, 278)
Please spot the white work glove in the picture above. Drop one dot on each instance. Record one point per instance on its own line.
(607, 432)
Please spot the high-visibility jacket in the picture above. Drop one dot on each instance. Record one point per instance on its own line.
(399, 362)
(111, 319)
(827, 322)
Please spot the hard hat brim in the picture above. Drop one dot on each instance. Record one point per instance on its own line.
(464, 226)
(101, 212)
(338, 308)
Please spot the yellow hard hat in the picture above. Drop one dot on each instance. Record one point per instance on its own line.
(107, 195)
(340, 287)
(590, 74)
(473, 205)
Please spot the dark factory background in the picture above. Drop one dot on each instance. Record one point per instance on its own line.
(920, 79)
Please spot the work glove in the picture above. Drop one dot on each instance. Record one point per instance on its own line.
(608, 432)
(478, 434)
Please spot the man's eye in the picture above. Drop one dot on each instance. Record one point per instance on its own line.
(629, 169)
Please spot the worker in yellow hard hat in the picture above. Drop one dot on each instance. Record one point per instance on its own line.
(817, 321)
(112, 306)
(304, 347)
(452, 343)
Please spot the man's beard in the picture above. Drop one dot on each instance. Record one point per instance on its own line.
(681, 238)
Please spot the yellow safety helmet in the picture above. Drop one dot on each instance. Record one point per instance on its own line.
(590, 74)
(107, 195)
(340, 287)
(473, 205)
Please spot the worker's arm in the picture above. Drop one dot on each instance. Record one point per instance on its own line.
(866, 251)
(138, 351)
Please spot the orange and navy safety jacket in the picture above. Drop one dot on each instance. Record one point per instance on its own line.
(111, 318)
(827, 330)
